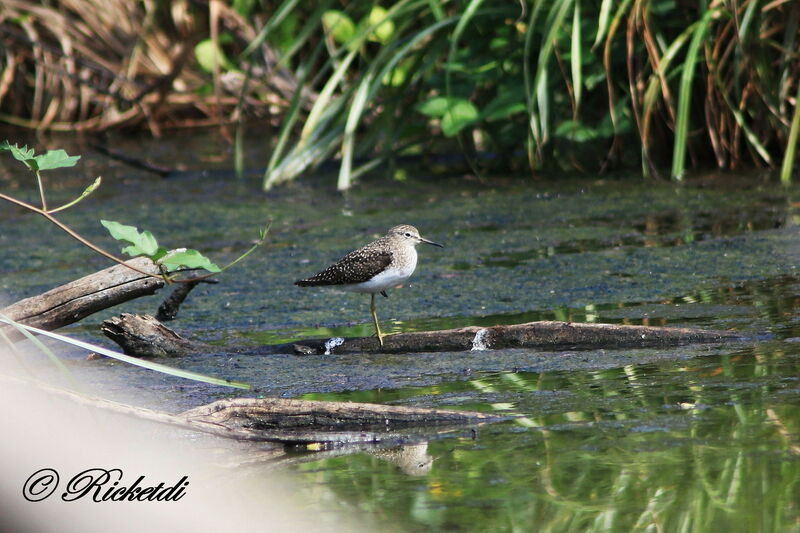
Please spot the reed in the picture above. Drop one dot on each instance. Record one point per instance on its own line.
(548, 85)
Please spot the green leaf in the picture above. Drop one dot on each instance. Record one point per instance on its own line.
(23, 154)
(602, 21)
(791, 147)
(456, 113)
(339, 25)
(47, 161)
(183, 258)
(207, 52)
(579, 132)
(459, 115)
(576, 53)
(383, 30)
(55, 159)
(140, 243)
(435, 107)
(161, 252)
(509, 101)
(244, 7)
(685, 94)
(398, 75)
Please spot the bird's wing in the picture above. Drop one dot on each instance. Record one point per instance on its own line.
(355, 267)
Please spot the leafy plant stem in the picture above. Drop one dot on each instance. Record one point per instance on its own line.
(41, 190)
(89, 190)
(75, 235)
(259, 242)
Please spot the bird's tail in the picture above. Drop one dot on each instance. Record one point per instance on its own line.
(308, 282)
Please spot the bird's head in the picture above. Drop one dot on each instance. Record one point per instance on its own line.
(411, 234)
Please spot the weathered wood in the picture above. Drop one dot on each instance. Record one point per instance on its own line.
(293, 422)
(168, 309)
(140, 336)
(144, 336)
(277, 413)
(308, 421)
(539, 335)
(76, 300)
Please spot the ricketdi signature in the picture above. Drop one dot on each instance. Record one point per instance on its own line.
(101, 485)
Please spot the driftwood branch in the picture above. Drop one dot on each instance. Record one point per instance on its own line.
(293, 422)
(307, 421)
(76, 300)
(168, 309)
(145, 336)
(538, 335)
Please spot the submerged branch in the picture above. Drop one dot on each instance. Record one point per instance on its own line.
(546, 335)
(289, 422)
(145, 336)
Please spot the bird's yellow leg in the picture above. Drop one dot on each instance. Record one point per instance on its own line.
(375, 319)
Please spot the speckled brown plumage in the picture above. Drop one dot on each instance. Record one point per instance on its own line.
(395, 249)
(356, 267)
(378, 266)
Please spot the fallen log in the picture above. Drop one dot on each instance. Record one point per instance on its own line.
(292, 422)
(547, 335)
(78, 299)
(145, 336)
(310, 421)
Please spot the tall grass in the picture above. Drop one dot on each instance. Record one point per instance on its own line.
(710, 84)
(547, 85)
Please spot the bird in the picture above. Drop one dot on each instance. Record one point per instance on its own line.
(380, 265)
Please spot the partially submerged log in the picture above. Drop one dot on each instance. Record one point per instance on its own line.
(309, 421)
(293, 422)
(144, 336)
(76, 300)
(547, 335)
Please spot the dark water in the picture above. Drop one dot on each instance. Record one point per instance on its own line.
(698, 438)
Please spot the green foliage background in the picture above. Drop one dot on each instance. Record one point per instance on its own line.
(544, 85)
(523, 87)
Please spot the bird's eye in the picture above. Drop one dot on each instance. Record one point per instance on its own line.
(407, 234)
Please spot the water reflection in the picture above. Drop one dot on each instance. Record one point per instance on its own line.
(413, 459)
(708, 444)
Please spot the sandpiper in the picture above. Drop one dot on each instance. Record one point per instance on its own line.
(380, 265)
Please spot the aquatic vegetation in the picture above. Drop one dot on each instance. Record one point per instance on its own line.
(522, 86)
(576, 79)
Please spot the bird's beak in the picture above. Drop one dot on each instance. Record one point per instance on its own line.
(426, 241)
